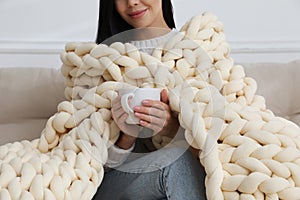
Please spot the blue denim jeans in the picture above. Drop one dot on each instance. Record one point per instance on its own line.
(169, 173)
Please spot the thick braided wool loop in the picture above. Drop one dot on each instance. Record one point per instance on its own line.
(247, 151)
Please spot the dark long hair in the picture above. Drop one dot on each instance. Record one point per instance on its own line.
(111, 23)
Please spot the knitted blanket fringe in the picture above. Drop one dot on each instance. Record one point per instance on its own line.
(247, 151)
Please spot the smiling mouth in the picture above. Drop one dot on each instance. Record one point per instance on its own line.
(138, 14)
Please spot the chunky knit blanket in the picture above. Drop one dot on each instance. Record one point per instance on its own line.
(247, 151)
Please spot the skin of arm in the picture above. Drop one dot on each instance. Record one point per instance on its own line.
(125, 141)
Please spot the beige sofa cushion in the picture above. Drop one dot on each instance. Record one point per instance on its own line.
(29, 96)
(279, 83)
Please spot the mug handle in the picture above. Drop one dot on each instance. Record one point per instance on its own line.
(124, 102)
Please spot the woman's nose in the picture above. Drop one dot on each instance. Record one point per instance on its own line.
(133, 2)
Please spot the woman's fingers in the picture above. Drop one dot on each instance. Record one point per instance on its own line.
(155, 127)
(120, 116)
(164, 96)
(151, 119)
(149, 106)
(118, 113)
(116, 103)
(153, 114)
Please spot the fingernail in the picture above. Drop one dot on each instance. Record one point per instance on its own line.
(137, 114)
(145, 101)
(137, 108)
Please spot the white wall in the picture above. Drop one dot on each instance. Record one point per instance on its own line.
(257, 30)
(33, 32)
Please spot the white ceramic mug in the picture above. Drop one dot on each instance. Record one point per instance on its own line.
(134, 97)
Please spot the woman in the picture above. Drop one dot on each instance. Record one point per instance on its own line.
(168, 173)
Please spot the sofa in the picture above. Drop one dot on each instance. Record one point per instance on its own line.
(29, 96)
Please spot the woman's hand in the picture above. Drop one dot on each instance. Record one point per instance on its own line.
(129, 132)
(157, 116)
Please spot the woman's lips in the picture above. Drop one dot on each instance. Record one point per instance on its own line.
(138, 13)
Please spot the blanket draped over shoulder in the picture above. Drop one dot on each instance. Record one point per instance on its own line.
(247, 151)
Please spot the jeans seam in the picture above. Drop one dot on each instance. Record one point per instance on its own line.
(164, 183)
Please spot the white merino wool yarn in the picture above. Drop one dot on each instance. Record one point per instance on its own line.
(247, 152)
